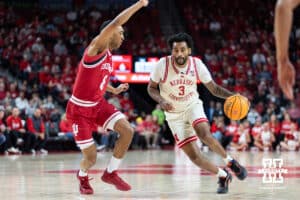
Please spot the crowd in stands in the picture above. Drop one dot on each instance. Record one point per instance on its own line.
(41, 51)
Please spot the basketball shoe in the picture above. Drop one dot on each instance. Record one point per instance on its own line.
(114, 179)
(238, 169)
(84, 185)
(223, 183)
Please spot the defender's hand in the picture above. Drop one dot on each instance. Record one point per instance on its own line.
(122, 88)
(144, 2)
(286, 78)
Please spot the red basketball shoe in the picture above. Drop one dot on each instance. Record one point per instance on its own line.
(84, 185)
(114, 179)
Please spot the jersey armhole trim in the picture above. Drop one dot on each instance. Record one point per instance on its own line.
(197, 74)
(166, 70)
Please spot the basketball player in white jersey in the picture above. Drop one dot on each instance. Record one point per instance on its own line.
(173, 84)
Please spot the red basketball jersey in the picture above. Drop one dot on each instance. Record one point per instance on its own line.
(92, 78)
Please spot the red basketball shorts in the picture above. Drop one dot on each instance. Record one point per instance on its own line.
(85, 119)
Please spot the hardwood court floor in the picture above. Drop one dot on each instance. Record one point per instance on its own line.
(152, 174)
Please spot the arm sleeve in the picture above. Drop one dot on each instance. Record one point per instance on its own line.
(158, 70)
(30, 126)
(203, 72)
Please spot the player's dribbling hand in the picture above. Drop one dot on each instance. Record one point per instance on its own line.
(166, 105)
(122, 88)
(286, 78)
(144, 2)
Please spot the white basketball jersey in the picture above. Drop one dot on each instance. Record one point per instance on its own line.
(179, 85)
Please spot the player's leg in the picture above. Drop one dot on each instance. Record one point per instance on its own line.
(203, 132)
(185, 138)
(89, 158)
(193, 152)
(125, 131)
(111, 118)
(123, 127)
(83, 136)
(197, 118)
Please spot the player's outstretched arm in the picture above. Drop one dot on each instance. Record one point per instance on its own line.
(282, 27)
(100, 42)
(217, 90)
(121, 88)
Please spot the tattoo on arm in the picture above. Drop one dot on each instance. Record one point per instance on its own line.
(222, 92)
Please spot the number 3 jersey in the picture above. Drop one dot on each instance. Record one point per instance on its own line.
(179, 85)
(92, 79)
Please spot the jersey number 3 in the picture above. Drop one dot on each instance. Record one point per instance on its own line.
(181, 90)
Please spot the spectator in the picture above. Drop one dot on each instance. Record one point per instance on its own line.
(38, 46)
(126, 103)
(275, 129)
(36, 126)
(22, 102)
(48, 103)
(252, 116)
(60, 49)
(150, 132)
(218, 128)
(159, 114)
(258, 58)
(230, 131)
(65, 127)
(292, 139)
(2, 131)
(18, 133)
(264, 140)
(241, 138)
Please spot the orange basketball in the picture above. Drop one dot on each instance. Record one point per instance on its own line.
(236, 107)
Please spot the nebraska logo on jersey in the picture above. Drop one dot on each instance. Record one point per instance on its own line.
(181, 82)
(107, 66)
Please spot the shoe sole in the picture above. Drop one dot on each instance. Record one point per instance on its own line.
(86, 193)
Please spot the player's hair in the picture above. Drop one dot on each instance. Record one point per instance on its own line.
(104, 24)
(180, 37)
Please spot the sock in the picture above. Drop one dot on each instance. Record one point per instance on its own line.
(221, 173)
(82, 173)
(113, 164)
(227, 159)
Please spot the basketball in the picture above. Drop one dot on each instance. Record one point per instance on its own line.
(236, 107)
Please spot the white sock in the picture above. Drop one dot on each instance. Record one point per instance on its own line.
(221, 173)
(113, 164)
(82, 173)
(227, 159)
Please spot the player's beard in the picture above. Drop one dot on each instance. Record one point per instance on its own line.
(180, 60)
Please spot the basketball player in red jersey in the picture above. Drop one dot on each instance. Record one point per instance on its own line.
(87, 107)
(282, 27)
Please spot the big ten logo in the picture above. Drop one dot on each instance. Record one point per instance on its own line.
(272, 170)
